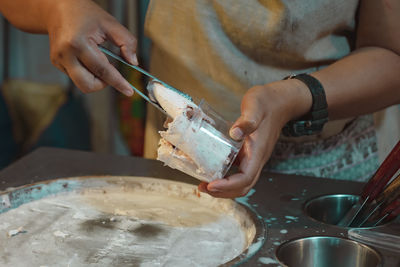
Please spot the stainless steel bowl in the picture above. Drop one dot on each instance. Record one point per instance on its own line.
(330, 209)
(326, 251)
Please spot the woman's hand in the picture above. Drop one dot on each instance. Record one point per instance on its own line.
(264, 112)
(75, 29)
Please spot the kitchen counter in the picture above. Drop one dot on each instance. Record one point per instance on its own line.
(278, 198)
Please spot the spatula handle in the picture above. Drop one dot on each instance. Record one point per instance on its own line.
(382, 176)
(391, 192)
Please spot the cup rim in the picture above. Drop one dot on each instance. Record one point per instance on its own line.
(343, 239)
(308, 201)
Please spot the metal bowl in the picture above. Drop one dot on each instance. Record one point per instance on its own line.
(330, 209)
(328, 252)
(120, 221)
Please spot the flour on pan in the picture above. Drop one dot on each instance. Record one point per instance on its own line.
(119, 228)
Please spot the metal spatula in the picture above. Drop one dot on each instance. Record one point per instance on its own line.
(149, 99)
(389, 213)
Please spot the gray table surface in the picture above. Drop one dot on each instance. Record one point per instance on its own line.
(275, 196)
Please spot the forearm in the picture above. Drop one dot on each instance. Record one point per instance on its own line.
(28, 15)
(365, 81)
(368, 79)
(34, 16)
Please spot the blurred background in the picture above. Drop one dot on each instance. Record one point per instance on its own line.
(39, 105)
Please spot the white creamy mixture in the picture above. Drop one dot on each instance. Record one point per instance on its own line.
(191, 144)
(120, 227)
(172, 102)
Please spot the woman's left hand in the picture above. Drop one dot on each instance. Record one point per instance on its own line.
(264, 111)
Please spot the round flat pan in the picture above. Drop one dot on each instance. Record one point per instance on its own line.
(123, 221)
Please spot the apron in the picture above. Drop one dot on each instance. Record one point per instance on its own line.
(217, 49)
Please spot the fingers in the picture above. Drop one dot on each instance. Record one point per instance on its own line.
(97, 63)
(121, 37)
(249, 169)
(250, 119)
(234, 193)
(81, 77)
(73, 41)
(237, 184)
(89, 69)
(256, 151)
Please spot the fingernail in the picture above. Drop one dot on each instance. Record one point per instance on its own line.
(135, 60)
(128, 92)
(236, 133)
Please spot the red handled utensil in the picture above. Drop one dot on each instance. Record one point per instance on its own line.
(384, 201)
(374, 187)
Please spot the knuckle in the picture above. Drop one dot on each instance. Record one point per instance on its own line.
(62, 68)
(251, 97)
(93, 87)
(131, 42)
(252, 123)
(84, 90)
(54, 61)
(100, 71)
(258, 101)
(59, 55)
(56, 57)
(249, 123)
(74, 43)
(86, 86)
(82, 87)
(119, 85)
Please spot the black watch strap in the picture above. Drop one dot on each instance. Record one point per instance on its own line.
(313, 122)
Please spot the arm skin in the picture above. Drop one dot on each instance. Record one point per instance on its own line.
(75, 28)
(365, 81)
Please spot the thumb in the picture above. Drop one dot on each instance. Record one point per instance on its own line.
(250, 119)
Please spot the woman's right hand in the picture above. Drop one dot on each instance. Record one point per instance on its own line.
(76, 28)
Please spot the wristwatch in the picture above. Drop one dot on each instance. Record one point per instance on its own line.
(314, 120)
